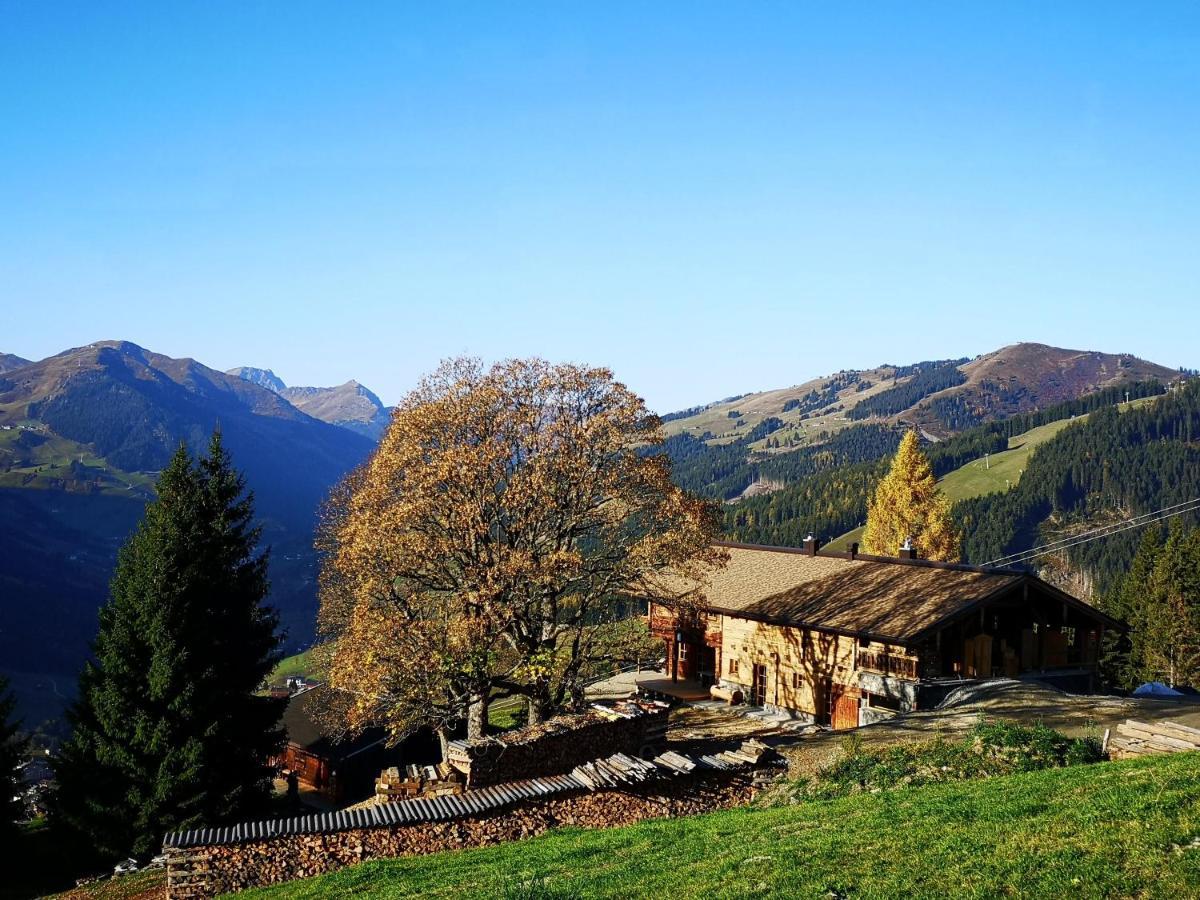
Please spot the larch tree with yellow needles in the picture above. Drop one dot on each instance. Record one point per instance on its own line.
(908, 507)
(505, 518)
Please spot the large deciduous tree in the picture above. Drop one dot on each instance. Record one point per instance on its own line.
(168, 731)
(907, 506)
(489, 541)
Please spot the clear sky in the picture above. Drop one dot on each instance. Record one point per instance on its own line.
(709, 198)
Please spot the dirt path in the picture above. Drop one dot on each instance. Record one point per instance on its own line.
(1027, 703)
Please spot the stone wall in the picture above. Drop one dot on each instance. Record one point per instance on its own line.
(206, 871)
(556, 746)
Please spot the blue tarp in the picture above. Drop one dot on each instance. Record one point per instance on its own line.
(1156, 689)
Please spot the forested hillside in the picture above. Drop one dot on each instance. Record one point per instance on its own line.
(1111, 467)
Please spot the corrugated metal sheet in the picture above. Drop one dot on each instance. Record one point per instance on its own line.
(619, 769)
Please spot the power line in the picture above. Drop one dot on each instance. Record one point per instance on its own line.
(1159, 515)
(1116, 528)
(1053, 545)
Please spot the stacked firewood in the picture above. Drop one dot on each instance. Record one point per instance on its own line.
(400, 783)
(1138, 738)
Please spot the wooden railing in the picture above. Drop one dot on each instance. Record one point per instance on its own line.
(888, 664)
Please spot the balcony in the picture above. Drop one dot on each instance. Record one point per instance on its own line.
(890, 664)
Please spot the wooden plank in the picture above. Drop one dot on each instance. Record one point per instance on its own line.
(1155, 737)
(1174, 729)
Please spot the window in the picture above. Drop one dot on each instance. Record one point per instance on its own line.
(733, 667)
(864, 642)
(1070, 634)
(883, 701)
(683, 652)
(797, 681)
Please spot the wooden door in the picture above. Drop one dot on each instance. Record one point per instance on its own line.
(758, 686)
(844, 709)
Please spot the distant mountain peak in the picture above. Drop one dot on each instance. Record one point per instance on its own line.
(262, 377)
(350, 405)
(10, 361)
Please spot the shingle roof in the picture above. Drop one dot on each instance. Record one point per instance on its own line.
(886, 599)
(306, 728)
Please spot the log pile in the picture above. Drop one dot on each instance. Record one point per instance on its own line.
(1135, 738)
(634, 727)
(230, 867)
(400, 783)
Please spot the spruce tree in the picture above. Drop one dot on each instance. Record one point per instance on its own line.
(168, 730)
(1123, 660)
(12, 748)
(1171, 622)
(908, 506)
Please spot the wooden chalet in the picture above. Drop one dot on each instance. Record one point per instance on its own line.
(845, 639)
(340, 767)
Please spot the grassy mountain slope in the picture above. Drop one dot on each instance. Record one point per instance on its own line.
(12, 361)
(816, 410)
(1024, 377)
(349, 405)
(1013, 379)
(1109, 829)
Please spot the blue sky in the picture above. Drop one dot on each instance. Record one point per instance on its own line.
(709, 198)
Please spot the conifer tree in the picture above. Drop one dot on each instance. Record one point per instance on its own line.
(168, 730)
(908, 506)
(12, 748)
(1123, 660)
(1170, 620)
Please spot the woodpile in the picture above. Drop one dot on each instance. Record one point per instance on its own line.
(400, 783)
(1135, 738)
(188, 873)
(230, 867)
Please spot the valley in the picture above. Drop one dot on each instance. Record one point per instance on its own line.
(83, 434)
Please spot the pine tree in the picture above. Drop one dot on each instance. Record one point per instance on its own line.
(1170, 621)
(12, 748)
(168, 730)
(908, 506)
(1124, 656)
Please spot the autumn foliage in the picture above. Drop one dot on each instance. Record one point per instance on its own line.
(907, 506)
(488, 545)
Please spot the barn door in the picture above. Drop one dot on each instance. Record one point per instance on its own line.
(843, 709)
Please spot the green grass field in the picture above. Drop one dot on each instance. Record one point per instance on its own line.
(299, 664)
(997, 473)
(1000, 470)
(1106, 830)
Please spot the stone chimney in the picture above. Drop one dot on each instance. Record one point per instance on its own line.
(811, 545)
(908, 551)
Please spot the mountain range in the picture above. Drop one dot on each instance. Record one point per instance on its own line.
(83, 434)
(349, 405)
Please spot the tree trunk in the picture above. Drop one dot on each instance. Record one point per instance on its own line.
(477, 717)
(537, 710)
(444, 742)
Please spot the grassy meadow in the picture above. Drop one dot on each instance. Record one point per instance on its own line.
(1110, 829)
